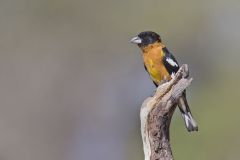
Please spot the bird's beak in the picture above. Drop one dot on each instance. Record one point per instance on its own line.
(136, 40)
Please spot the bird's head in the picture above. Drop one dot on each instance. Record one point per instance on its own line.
(146, 38)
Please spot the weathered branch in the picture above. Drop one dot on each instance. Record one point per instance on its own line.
(156, 114)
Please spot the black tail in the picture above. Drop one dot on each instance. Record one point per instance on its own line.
(190, 123)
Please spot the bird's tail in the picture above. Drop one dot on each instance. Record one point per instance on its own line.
(190, 123)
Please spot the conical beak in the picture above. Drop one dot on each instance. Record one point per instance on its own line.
(136, 40)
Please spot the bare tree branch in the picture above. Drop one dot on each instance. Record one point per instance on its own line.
(156, 114)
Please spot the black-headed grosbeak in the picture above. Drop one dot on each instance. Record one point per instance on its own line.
(161, 65)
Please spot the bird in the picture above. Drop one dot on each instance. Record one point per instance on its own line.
(161, 65)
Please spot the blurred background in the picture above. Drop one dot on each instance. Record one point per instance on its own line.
(72, 84)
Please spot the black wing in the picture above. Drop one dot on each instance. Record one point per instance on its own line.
(170, 62)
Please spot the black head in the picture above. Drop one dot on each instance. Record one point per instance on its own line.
(143, 39)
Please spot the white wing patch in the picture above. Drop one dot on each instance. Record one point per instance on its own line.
(173, 75)
(171, 62)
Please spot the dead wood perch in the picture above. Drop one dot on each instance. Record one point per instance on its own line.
(156, 113)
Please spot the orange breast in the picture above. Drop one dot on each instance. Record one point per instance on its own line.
(153, 60)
